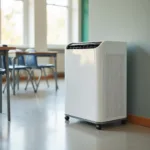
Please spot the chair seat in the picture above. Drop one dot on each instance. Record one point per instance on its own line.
(18, 67)
(46, 65)
(2, 71)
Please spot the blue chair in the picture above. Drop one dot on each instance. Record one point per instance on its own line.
(3, 70)
(31, 61)
(18, 67)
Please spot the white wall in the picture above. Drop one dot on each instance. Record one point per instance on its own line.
(60, 62)
(127, 20)
(38, 25)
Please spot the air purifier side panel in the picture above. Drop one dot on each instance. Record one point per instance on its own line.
(114, 81)
(100, 89)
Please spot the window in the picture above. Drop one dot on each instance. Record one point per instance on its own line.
(12, 22)
(18, 22)
(57, 14)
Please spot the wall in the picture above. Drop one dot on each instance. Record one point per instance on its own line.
(127, 20)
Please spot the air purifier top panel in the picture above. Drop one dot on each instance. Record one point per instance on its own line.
(83, 45)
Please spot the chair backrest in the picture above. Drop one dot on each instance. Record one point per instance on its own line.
(21, 60)
(10, 61)
(30, 50)
(2, 68)
(31, 60)
(3, 65)
(3, 62)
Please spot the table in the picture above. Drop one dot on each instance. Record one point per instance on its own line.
(16, 54)
(4, 52)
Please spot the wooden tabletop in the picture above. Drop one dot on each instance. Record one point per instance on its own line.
(45, 53)
(15, 53)
(7, 48)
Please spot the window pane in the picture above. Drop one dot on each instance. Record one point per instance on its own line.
(57, 24)
(58, 2)
(12, 22)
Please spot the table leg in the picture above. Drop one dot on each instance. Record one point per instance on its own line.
(55, 61)
(14, 78)
(18, 76)
(8, 86)
(18, 79)
(1, 103)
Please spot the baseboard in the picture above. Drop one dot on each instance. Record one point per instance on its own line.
(23, 78)
(139, 120)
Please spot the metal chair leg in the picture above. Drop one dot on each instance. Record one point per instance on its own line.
(10, 75)
(4, 87)
(38, 81)
(30, 79)
(45, 77)
(33, 77)
(55, 77)
(11, 83)
(18, 79)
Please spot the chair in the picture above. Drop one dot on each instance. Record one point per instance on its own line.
(3, 70)
(18, 67)
(31, 60)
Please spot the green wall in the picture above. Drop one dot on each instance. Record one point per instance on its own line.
(85, 19)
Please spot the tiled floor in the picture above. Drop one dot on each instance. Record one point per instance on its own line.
(38, 124)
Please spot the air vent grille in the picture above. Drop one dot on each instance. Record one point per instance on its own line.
(88, 45)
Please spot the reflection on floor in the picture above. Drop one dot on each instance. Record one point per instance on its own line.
(38, 124)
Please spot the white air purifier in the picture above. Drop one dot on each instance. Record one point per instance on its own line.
(96, 79)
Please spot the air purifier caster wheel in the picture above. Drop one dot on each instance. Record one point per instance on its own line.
(123, 121)
(98, 126)
(67, 118)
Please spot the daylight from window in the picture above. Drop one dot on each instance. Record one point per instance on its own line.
(12, 22)
(57, 17)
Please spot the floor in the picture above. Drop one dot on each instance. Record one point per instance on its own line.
(38, 124)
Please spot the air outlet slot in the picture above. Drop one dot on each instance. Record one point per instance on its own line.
(86, 45)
